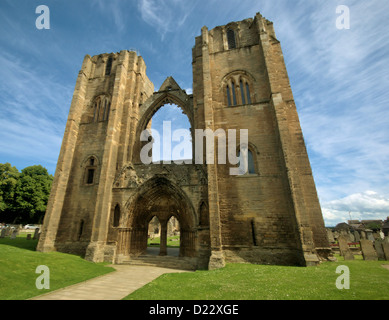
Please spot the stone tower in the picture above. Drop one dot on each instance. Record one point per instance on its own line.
(104, 197)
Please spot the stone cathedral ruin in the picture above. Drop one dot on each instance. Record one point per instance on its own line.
(104, 197)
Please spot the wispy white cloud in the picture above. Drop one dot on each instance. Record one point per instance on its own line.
(32, 113)
(114, 10)
(360, 206)
(338, 78)
(165, 16)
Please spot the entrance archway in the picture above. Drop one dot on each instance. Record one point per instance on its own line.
(160, 198)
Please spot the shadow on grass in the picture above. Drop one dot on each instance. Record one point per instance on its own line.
(20, 242)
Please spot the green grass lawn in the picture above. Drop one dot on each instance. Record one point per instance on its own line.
(19, 260)
(172, 242)
(368, 281)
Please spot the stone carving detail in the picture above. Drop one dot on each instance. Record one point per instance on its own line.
(132, 176)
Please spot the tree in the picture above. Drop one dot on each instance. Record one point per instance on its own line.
(9, 177)
(32, 193)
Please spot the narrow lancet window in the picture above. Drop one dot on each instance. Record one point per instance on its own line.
(248, 93)
(229, 96)
(91, 175)
(242, 92)
(108, 67)
(116, 217)
(233, 94)
(231, 39)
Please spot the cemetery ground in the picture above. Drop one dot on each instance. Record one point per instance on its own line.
(368, 279)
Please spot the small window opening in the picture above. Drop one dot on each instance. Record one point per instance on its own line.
(108, 67)
(116, 217)
(250, 161)
(91, 174)
(80, 230)
(234, 94)
(253, 233)
(229, 96)
(248, 93)
(231, 39)
(242, 92)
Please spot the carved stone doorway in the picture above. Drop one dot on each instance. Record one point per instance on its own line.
(162, 199)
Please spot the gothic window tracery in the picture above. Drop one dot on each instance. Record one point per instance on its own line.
(237, 88)
(101, 109)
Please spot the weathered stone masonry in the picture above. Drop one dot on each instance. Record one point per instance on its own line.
(270, 215)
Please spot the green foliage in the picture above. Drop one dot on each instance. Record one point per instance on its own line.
(9, 177)
(373, 226)
(24, 196)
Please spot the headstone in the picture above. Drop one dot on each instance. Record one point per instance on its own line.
(363, 235)
(351, 237)
(344, 249)
(357, 236)
(29, 236)
(7, 231)
(382, 235)
(376, 235)
(3, 232)
(13, 234)
(385, 248)
(368, 251)
(36, 234)
(330, 236)
(370, 236)
(378, 248)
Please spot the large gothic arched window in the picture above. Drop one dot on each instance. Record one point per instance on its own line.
(237, 90)
(101, 109)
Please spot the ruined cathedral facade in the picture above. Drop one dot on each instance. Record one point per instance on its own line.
(104, 197)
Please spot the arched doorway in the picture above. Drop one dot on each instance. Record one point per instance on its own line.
(159, 198)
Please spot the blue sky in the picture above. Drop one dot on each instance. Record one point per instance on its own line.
(340, 78)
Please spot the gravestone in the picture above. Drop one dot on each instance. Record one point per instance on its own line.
(36, 234)
(368, 251)
(13, 234)
(357, 236)
(370, 236)
(29, 236)
(379, 249)
(3, 232)
(385, 248)
(8, 231)
(330, 236)
(344, 249)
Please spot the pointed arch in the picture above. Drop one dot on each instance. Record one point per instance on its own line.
(237, 88)
(170, 93)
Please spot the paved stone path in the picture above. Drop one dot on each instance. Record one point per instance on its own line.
(113, 286)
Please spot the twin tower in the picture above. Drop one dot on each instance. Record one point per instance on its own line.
(103, 196)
